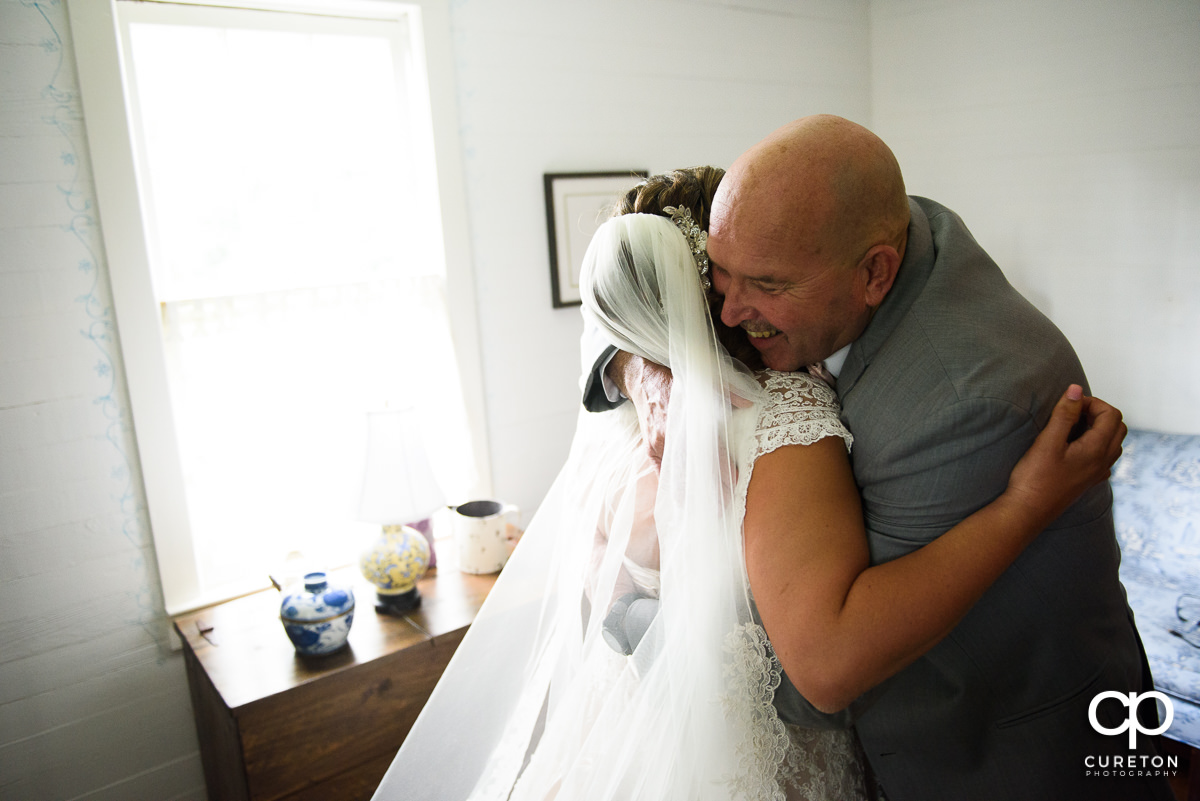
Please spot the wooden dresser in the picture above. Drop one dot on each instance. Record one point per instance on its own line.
(274, 725)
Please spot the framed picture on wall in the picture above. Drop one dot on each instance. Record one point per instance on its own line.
(576, 204)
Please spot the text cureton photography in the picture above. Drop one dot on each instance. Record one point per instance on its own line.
(1132, 765)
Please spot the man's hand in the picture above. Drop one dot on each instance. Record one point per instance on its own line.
(648, 385)
(1060, 466)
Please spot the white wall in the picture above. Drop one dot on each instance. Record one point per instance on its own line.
(1067, 135)
(92, 703)
(626, 84)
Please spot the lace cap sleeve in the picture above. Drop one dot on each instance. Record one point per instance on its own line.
(798, 410)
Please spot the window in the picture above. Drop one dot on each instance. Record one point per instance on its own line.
(282, 253)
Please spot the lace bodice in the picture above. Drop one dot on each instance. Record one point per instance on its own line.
(779, 762)
(798, 410)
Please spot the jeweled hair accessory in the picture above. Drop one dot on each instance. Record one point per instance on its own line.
(697, 240)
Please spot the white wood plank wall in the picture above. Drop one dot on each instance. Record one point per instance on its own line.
(92, 702)
(1067, 135)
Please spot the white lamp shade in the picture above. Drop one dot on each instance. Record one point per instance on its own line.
(398, 485)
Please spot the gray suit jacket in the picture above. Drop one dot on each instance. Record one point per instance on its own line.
(944, 391)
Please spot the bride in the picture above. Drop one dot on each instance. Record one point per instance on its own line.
(620, 654)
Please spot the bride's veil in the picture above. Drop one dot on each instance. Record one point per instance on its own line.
(535, 697)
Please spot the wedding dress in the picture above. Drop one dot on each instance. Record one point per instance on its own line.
(537, 703)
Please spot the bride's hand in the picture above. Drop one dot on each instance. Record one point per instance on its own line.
(1059, 467)
(648, 386)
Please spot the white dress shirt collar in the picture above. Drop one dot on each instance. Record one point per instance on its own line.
(835, 362)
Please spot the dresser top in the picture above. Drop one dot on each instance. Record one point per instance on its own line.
(244, 651)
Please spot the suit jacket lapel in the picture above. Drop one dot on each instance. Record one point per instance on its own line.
(919, 255)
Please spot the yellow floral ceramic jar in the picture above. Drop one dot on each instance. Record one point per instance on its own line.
(394, 563)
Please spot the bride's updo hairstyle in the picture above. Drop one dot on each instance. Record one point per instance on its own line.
(691, 188)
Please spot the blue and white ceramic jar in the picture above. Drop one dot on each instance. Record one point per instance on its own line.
(318, 619)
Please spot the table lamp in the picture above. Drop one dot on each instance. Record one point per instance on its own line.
(398, 490)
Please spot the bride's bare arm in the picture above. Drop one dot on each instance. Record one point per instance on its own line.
(840, 626)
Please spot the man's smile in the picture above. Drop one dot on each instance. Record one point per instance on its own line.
(760, 331)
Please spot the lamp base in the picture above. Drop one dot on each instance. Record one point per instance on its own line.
(397, 605)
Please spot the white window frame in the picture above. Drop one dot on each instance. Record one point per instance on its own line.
(104, 93)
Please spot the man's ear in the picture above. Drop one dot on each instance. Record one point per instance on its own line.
(881, 263)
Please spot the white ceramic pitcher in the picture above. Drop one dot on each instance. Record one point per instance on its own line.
(481, 534)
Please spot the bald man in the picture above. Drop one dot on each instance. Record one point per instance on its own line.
(945, 375)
